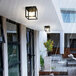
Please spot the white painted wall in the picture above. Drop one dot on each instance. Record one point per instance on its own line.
(42, 39)
(5, 53)
(37, 53)
(65, 4)
(23, 51)
(62, 42)
(69, 27)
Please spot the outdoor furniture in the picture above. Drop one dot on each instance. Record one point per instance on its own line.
(71, 55)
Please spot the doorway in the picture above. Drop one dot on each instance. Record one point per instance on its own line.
(72, 43)
(30, 52)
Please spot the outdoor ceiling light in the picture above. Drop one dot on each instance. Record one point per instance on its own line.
(47, 28)
(31, 12)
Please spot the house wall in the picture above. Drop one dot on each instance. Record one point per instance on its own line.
(37, 53)
(42, 39)
(23, 51)
(5, 53)
(65, 4)
(67, 39)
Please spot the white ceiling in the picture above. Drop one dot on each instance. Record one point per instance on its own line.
(15, 10)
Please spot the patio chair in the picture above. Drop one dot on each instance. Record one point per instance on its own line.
(71, 55)
(52, 74)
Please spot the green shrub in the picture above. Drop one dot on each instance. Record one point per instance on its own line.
(49, 45)
(41, 61)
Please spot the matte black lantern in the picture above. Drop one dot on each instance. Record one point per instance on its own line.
(31, 12)
(47, 28)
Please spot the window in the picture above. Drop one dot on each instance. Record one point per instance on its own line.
(1, 31)
(56, 39)
(13, 48)
(30, 52)
(1, 62)
(68, 16)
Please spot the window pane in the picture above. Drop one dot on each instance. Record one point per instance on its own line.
(13, 54)
(66, 17)
(69, 16)
(30, 52)
(13, 49)
(0, 61)
(0, 33)
(11, 28)
(0, 30)
(0, 73)
(1, 65)
(12, 32)
(14, 71)
(72, 17)
(0, 56)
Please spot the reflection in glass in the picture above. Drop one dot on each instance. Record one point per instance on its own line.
(12, 37)
(30, 52)
(69, 16)
(13, 54)
(14, 71)
(13, 49)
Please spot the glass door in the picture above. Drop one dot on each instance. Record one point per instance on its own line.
(1, 62)
(13, 39)
(30, 52)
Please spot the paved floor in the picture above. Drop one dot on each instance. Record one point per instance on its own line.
(72, 72)
(63, 65)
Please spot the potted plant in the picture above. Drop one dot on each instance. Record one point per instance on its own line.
(41, 62)
(49, 45)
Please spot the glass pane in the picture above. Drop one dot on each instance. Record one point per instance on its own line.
(13, 49)
(12, 37)
(32, 66)
(0, 25)
(11, 28)
(1, 67)
(13, 54)
(0, 57)
(29, 66)
(0, 33)
(0, 61)
(14, 71)
(66, 16)
(30, 52)
(12, 34)
(0, 30)
(1, 74)
(69, 16)
(72, 17)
